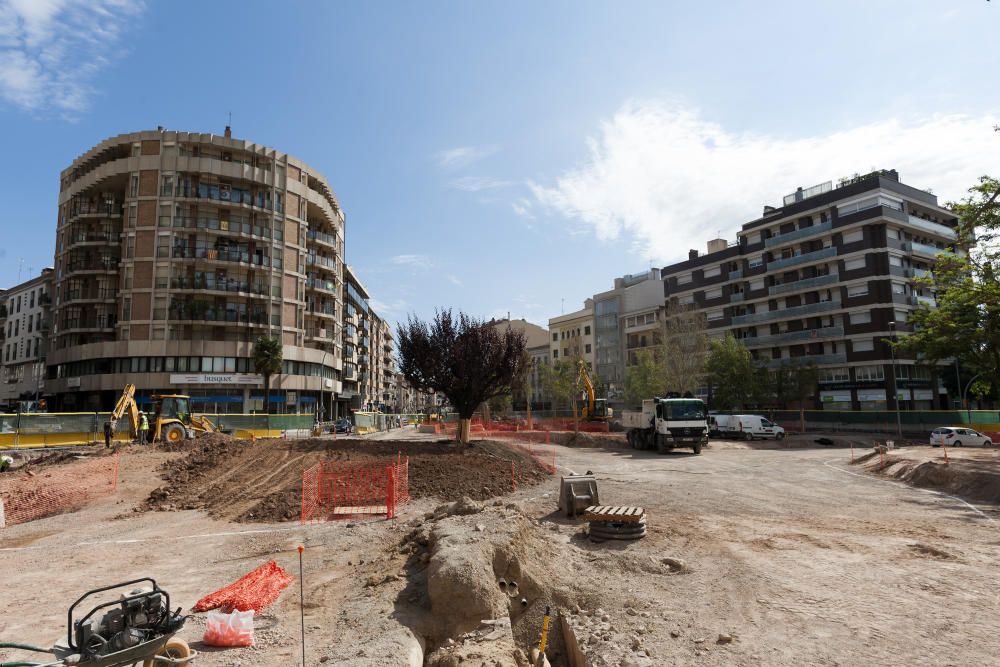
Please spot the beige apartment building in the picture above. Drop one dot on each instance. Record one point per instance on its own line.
(571, 336)
(174, 252)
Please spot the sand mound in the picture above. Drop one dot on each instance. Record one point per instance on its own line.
(262, 481)
(971, 479)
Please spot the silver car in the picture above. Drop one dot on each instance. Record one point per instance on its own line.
(953, 436)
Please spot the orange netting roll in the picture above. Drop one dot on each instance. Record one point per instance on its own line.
(255, 590)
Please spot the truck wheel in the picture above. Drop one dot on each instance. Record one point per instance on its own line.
(174, 433)
(748, 436)
(697, 448)
(630, 436)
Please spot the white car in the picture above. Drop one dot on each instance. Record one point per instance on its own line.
(954, 436)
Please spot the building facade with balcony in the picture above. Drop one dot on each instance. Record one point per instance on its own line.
(25, 324)
(829, 278)
(174, 252)
(571, 336)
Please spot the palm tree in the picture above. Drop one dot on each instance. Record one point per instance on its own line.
(267, 362)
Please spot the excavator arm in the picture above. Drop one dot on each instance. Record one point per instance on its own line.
(126, 406)
(588, 385)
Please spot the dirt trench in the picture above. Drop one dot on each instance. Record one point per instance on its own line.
(261, 481)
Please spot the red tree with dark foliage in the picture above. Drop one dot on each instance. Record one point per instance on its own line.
(463, 358)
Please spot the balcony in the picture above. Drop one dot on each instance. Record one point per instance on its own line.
(232, 226)
(212, 284)
(84, 236)
(794, 337)
(798, 234)
(818, 359)
(922, 273)
(735, 275)
(320, 237)
(927, 301)
(927, 250)
(322, 285)
(206, 311)
(326, 335)
(933, 227)
(804, 258)
(99, 294)
(787, 313)
(735, 296)
(219, 253)
(805, 283)
(319, 260)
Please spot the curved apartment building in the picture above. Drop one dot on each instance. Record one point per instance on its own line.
(174, 252)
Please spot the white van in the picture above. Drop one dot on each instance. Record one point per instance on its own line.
(750, 427)
(721, 425)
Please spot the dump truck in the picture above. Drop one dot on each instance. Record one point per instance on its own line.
(667, 423)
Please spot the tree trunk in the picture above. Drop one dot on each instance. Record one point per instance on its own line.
(576, 418)
(802, 418)
(530, 425)
(465, 424)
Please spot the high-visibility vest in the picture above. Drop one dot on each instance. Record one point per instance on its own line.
(144, 424)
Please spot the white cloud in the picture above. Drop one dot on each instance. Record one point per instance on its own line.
(479, 183)
(668, 179)
(386, 309)
(416, 261)
(522, 207)
(464, 155)
(454, 280)
(51, 50)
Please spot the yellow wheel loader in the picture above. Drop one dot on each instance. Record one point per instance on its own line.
(171, 420)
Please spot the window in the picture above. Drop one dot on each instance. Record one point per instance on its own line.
(857, 290)
(900, 316)
(713, 294)
(132, 213)
(586, 331)
(555, 336)
(853, 264)
(714, 315)
(853, 237)
(861, 318)
(863, 345)
(133, 189)
(898, 288)
(756, 261)
(869, 373)
(167, 186)
(686, 300)
(684, 278)
(757, 284)
(586, 348)
(834, 375)
(713, 272)
(555, 354)
(895, 260)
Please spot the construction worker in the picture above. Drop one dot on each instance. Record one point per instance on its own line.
(143, 429)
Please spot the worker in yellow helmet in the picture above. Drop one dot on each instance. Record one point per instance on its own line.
(143, 429)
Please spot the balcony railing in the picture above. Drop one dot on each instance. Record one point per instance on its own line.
(794, 336)
(95, 237)
(223, 254)
(227, 285)
(321, 237)
(735, 275)
(798, 234)
(202, 311)
(933, 227)
(323, 285)
(735, 296)
(788, 313)
(102, 294)
(319, 260)
(105, 208)
(805, 283)
(818, 359)
(926, 249)
(102, 264)
(802, 259)
(234, 226)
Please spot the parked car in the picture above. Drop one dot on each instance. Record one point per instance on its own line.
(750, 427)
(954, 436)
(343, 426)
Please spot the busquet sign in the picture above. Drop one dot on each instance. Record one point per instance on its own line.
(216, 378)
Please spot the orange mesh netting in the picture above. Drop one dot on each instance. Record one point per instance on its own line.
(256, 590)
(43, 490)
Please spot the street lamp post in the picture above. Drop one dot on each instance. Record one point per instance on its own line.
(965, 396)
(895, 388)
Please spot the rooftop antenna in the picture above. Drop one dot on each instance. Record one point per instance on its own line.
(230, 119)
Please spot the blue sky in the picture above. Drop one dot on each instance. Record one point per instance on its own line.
(511, 156)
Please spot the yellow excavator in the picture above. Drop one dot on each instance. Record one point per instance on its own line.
(596, 409)
(171, 421)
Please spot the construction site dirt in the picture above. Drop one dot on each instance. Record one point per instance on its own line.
(752, 557)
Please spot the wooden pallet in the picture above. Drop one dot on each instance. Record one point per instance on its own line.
(613, 513)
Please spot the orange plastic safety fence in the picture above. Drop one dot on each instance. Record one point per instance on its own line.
(255, 590)
(334, 491)
(46, 490)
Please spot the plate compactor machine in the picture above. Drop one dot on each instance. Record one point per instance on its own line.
(136, 628)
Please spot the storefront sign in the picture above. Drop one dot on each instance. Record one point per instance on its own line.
(216, 378)
(871, 395)
(835, 397)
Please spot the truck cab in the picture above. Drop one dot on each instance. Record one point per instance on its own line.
(666, 423)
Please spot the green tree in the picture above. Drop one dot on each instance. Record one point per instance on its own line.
(965, 325)
(684, 348)
(645, 378)
(733, 374)
(267, 356)
(559, 382)
(467, 360)
(795, 383)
